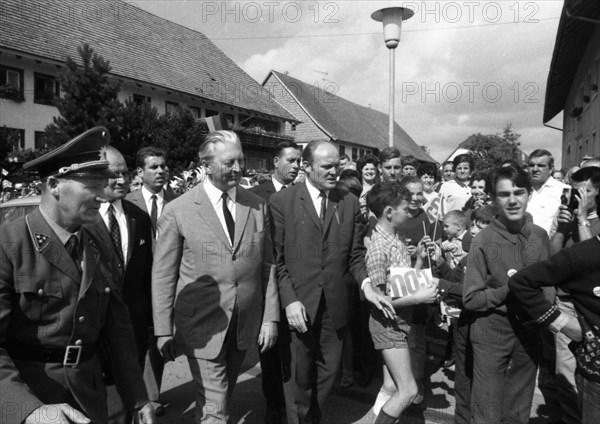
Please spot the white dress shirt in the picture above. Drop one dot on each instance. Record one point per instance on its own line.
(277, 184)
(214, 195)
(160, 201)
(121, 220)
(543, 203)
(315, 196)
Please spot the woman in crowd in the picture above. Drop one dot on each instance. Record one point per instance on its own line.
(367, 167)
(456, 192)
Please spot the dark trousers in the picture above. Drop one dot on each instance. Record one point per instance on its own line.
(311, 360)
(272, 382)
(463, 368)
(505, 359)
(589, 395)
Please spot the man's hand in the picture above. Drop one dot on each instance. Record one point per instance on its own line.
(166, 347)
(581, 211)
(296, 316)
(146, 414)
(58, 413)
(379, 301)
(564, 215)
(267, 336)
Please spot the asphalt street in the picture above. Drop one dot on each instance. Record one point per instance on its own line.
(345, 406)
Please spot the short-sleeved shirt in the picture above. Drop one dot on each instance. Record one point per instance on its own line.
(454, 196)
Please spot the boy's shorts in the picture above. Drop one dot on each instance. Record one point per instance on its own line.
(388, 333)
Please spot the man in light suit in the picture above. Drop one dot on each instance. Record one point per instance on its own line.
(60, 300)
(213, 249)
(126, 228)
(152, 198)
(286, 162)
(318, 234)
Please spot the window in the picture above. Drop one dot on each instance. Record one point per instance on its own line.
(170, 107)
(196, 112)
(362, 153)
(15, 137)
(210, 113)
(11, 83)
(45, 89)
(294, 128)
(40, 140)
(342, 150)
(138, 99)
(354, 153)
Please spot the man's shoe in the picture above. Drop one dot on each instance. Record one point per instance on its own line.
(273, 416)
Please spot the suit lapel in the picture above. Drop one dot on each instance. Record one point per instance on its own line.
(48, 244)
(308, 205)
(130, 232)
(331, 211)
(138, 198)
(242, 211)
(91, 257)
(206, 211)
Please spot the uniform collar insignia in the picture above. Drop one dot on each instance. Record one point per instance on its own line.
(40, 240)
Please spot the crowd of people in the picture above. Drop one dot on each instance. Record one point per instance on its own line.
(115, 274)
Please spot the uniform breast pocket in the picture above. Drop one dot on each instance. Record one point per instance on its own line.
(41, 300)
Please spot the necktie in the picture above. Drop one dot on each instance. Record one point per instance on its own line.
(72, 247)
(323, 197)
(153, 212)
(115, 233)
(228, 218)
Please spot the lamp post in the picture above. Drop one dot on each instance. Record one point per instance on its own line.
(392, 18)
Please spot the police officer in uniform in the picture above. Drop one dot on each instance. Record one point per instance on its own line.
(60, 304)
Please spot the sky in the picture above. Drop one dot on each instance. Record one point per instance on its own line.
(462, 67)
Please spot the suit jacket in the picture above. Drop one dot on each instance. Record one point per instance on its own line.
(135, 279)
(192, 243)
(137, 198)
(44, 302)
(314, 258)
(264, 190)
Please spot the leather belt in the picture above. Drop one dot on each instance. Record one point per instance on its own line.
(69, 356)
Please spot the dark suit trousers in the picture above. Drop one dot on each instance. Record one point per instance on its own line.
(270, 364)
(313, 359)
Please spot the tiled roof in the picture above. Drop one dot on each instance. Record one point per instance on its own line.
(347, 121)
(139, 46)
(571, 42)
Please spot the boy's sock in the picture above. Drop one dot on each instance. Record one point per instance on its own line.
(382, 398)
(384, 418)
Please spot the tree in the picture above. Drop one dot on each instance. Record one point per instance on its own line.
(492, 149)
(89, 98)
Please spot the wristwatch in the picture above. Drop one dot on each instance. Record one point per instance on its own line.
(585, 223)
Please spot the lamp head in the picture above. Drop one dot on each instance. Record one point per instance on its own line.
(392, 18)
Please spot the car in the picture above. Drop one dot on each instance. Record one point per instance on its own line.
(17, 208)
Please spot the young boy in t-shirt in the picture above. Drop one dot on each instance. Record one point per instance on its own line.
(455, 229)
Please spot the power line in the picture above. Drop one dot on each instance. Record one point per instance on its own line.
(375, 33)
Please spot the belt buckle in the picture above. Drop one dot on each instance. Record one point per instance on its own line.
(72, 350)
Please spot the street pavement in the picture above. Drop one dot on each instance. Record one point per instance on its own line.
(345, 406)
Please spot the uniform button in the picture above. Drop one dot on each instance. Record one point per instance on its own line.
(81, 318)
(107, 290)
(236, 284)
(41, 292)
(79, 342)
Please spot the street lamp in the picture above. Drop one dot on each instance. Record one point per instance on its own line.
(392, 18)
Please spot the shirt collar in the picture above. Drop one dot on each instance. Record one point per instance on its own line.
(62, 234)
(391, 238)
(277, 184)
(550, 182)
(148, 194)
(214, 194)
(313, 191)
(501, 229)
(117, 204)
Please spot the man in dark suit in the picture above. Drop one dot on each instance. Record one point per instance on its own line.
(127, 229)
(151, 198)
(286, 162)
(214, 293)
(60, 300)
(318, 234)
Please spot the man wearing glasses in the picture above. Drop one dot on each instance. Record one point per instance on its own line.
(213, 243)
